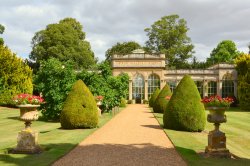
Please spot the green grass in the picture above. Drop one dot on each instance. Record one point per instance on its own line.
(56, 142)
(237, 130)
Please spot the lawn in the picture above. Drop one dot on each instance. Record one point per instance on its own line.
(237, 130)
(55, 141)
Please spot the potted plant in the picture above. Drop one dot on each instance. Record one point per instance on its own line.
(217, 139)
(28, 105)
(27, 140)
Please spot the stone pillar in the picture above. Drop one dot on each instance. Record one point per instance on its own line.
(130, 89)
(205, 88)
(219, 87)
(235, 89)
(146, 90)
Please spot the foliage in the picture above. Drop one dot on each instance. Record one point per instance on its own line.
(243, 68)
(15, 76)
(79, 110)
(123, 103)
(27, 99)
(145, 101)
(122, 49)
(64, 41)
(169, 36)
(217, 101)
(102, 82)
(185, 110)
(153, 97)
(160, 104)
(1, 32)
(225, 51)
(54, 80)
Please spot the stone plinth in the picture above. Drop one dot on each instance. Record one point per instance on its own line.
(27, 142)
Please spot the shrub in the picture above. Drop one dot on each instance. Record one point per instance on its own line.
(153, 97)
(145, 101)
(15, 76)
(54, 79)
(123, 103)
(130, 101)
(185, 111)
(161, 102)
(79, 110)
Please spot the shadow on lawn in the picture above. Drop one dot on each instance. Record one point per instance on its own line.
(103, 154)
(196, 159)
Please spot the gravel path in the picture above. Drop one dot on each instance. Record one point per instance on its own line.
(131, 138)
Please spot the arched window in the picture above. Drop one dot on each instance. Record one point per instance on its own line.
(172, 85)
(138, 88)
(212, 88)
(227, 85)
(153, 84)
(199, 85)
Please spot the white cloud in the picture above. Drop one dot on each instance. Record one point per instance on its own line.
(107, 22)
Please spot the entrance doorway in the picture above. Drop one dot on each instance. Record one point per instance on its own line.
(138, 88)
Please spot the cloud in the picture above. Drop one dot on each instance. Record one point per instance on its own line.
(107, 22)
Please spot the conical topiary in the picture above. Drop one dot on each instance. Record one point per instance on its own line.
(161, 101)
(185, 111)
(79, 110)
(153, 97)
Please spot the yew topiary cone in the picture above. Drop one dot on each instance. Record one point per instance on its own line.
(80, 110)
(153, 97)
(161, 101)
(185, 111)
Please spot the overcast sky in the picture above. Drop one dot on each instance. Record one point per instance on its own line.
(107, 22)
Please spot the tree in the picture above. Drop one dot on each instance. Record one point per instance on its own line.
(185, 110)
(15, 76)
(243, 68)
(65, 41)
(225, 51)
(169, 36)
(122, 49)
(1, 32)
(79, 110)
(54, 80)
(101, 82)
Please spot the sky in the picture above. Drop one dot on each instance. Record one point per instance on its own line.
(107, 22)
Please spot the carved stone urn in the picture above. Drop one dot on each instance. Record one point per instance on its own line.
(99, 103)
(27, 139)
(217, 139)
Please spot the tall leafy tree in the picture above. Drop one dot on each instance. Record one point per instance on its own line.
(225, 51)
(169, 36)
(122, 49)
(1, 32)
(64, 41)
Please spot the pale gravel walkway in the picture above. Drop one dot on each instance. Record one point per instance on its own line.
(131, 138)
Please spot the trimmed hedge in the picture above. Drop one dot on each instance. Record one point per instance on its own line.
(80, 110)
(185, 111)
(153, 97)
(161, 102)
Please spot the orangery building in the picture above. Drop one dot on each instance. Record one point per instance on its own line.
(148, 72)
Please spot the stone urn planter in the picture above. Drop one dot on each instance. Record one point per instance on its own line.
(217, 139)
(99, 103)
(27, 139)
